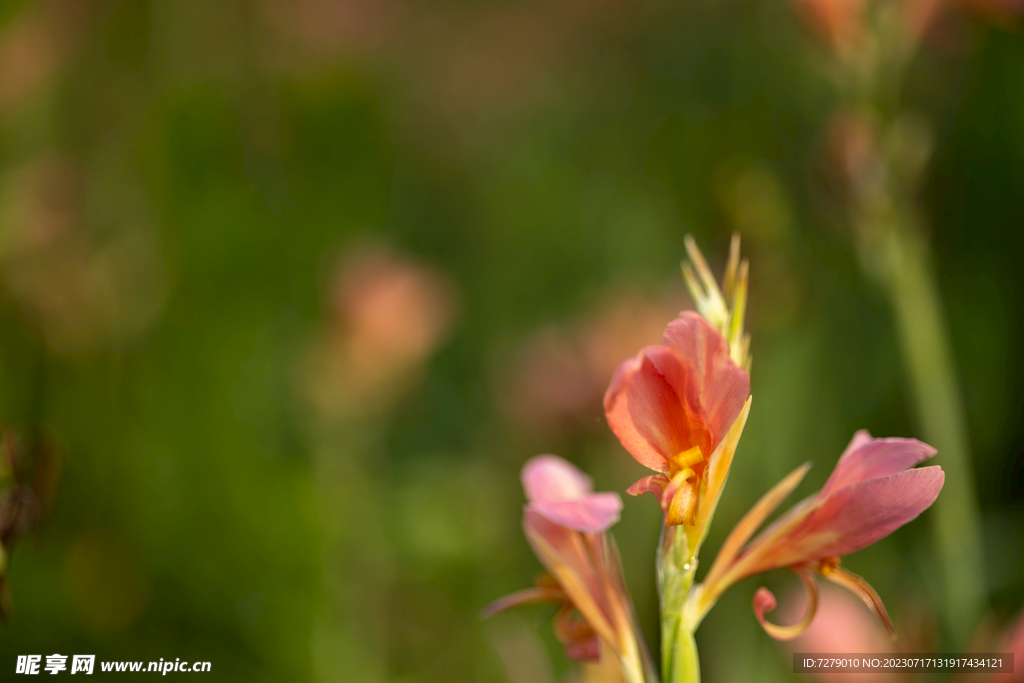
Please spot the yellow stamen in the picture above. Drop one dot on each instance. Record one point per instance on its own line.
(683, 508)
(685, 459)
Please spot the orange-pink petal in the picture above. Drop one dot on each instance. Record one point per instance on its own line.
(644, 411)
(721, 385)
(654, 483)
(869, 495)
(670, 398)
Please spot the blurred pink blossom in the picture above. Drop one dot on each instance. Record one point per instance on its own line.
(82, 289)
(1009, 640)
(560, 373)
(342, 28)
(34, 45)
(388, 313)
(842, 624)
(844, 24)
(393, 310)
(839, 22)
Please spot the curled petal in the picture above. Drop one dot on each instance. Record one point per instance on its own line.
(764, 601)
(859, 587)
(843, 625)
(654, 483)
(866, 458)
(528, 596)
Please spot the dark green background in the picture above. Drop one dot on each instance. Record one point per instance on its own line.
(541, 154)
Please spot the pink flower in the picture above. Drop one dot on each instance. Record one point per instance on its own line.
(870, 494)
(679, 409)
(565, 523)
(559, 492)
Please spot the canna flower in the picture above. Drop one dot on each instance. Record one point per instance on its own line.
(679, 409)
(873, 491)
(565, 523)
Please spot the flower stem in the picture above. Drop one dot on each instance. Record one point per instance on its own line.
(910, 283)
(676, 569)
(686, 666)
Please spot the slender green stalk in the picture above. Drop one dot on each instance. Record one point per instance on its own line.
(686, 666)
(676, 569)
(893, 249)
(938, 406)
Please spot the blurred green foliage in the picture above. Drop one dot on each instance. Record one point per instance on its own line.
(222, 156)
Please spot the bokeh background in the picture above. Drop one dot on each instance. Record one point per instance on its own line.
(289, 291)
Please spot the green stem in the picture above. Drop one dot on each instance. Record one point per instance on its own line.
(676, 569)
(927, 352)
(686, 666)
(893, 249)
